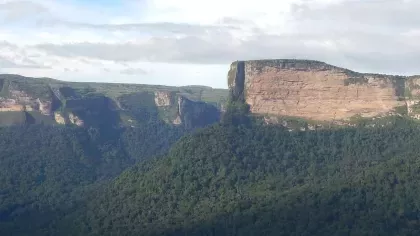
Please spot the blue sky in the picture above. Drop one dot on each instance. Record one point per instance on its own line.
(186, 42)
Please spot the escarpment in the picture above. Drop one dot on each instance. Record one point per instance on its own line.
(319, 91)
(178, 109)
(41, 100)
(15, 98)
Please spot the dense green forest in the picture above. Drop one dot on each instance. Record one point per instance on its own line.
(237, 177)
(265, 180)
(47, 170)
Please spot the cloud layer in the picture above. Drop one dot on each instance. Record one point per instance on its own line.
(192, 42)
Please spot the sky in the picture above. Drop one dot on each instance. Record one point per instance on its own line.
(192, 42)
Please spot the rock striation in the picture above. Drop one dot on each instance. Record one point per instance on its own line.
(318, 91)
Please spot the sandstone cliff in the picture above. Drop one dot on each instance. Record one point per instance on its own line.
(16, 97)
(49, 101)
(319, 91)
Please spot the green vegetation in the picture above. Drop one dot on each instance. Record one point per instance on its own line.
(399, 86)
(139, 106)
(47, 170)
(264, 180)
(290, 63)
(355, 80)
(13, 117)
(358, 119)
(416, 108)
(237, 113)
(407, 93)
(35, 88)
(35, 117)
(402, 110)
(216, 97)
(4, 84)
(296, 123)
(198, 114)
(236, 177)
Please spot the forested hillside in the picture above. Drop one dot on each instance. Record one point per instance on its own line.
(264, 180)
(47, 170)
(238, 177)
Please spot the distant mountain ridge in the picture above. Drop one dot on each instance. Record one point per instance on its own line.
(274, 89)
(44, 100)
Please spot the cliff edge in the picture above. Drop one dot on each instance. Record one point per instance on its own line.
(318, 91)
(25, 100)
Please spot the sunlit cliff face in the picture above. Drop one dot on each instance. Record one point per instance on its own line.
(318, 91)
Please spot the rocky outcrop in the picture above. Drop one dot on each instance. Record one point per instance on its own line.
(164, 98)
(318, 91)
(59, 118)
(177, 121)
(12, 105)
(74, 119)
(45, 107)
(68, 119)
(18, 100)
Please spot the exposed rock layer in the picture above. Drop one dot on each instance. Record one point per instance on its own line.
(21, 101)
(318, 91)
(43, 100)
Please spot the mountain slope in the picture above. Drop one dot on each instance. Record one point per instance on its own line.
(264, 180)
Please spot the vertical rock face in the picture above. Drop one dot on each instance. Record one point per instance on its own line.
(237, 80)
(45, 107)
(163, 98)
(180, 104)
(196, 114)
(318, 91)
(412, 89)
(180, 110)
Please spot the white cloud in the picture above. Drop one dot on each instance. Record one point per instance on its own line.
(192, 42)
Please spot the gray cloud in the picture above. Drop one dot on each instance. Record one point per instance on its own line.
(4, 63)
(8, 64)
(71, 70)
(133, 71)
(19, 58)
(24, 10)
(143, 28)
(368, 35)
(185, 50)
(18, 11)
(361, 51)
(372, 15)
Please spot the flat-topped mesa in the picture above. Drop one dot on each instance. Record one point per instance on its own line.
(319, 91)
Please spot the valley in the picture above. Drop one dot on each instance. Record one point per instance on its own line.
(290, 148)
